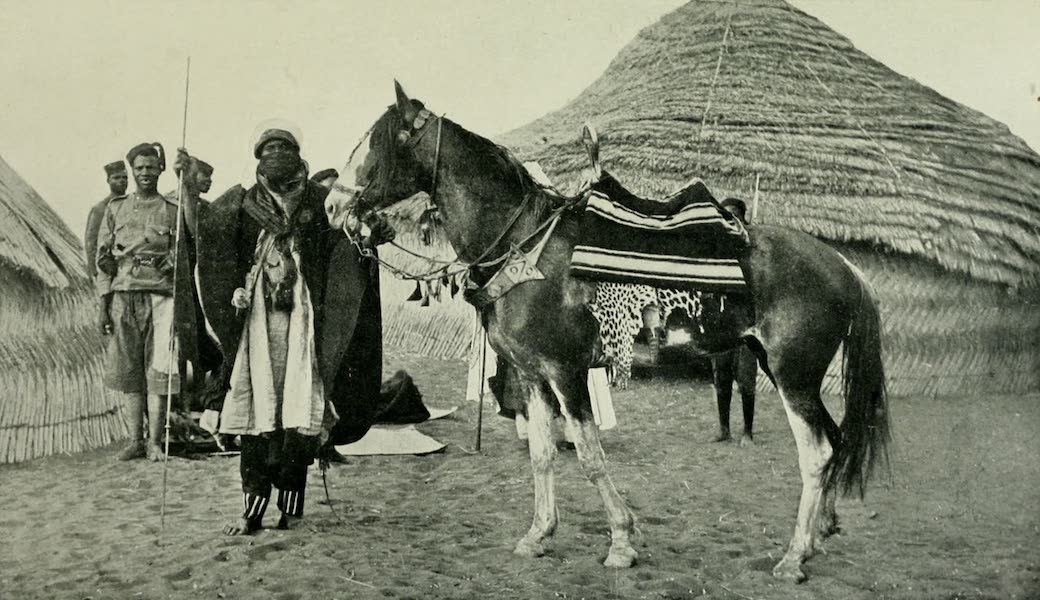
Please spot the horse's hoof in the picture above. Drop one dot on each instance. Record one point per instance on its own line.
(723, 436)
(529, 548)
(790, 570)
(621, 558)
(747, 441)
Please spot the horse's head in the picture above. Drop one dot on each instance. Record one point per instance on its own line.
(386, 167)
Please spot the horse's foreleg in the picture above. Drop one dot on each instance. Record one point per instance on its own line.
(594, 465)
(808, 419)
(543, 452)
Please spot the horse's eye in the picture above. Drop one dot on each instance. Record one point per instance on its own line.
(403, 137)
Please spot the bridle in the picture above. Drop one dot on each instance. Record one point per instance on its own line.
(446, 268)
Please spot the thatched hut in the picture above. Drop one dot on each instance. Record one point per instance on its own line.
(936, 202)
(51, 396)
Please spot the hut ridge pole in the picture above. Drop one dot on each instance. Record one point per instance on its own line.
(754, 202)
(173, 322)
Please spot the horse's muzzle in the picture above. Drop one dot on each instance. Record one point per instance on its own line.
(341, 207)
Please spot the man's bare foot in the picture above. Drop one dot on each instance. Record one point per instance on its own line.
(243, 526)
(155, 453)
(287, 522)
(132, 451)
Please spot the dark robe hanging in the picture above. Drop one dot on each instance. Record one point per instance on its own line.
(344, 293)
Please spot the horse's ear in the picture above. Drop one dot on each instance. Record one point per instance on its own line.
(404, 104)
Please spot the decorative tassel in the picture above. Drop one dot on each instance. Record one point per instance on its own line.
(417, 294)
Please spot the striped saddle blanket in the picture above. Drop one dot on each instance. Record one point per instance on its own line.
(686, 240)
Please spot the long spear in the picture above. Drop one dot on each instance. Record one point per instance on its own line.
(173, 322)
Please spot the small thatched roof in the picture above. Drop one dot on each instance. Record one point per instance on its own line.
(33, 238)
(847, 149)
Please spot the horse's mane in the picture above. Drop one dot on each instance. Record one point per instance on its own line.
(503, 159)
(494, 157)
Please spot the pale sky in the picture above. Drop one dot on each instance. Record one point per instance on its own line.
(84, 81)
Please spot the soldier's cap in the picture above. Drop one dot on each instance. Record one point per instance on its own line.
(115, 167)
(148, 149)
(204, 167)
(274, 134)
(324, 174)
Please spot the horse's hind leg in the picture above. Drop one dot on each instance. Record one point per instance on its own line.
(573, 395)
(543, 452)
(810, 424)
(827, 524)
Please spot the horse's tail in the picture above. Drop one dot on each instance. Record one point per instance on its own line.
(864, 430)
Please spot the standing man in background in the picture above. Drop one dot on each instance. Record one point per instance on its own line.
(115, 172)
(738, 365)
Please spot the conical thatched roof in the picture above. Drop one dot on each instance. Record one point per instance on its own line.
(34, 240)
(51, 395)
(846, 149)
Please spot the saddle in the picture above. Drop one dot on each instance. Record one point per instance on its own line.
(603, 182)
(684, 240)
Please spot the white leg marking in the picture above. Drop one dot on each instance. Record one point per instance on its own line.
(593, 463)
(812, 456)
(543, 452)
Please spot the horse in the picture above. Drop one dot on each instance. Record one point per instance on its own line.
(805, 299)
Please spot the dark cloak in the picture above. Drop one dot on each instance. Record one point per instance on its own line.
(344, 293)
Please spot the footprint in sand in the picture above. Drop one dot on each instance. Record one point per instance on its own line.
(260, 552)
(181, 575)
(764, 565)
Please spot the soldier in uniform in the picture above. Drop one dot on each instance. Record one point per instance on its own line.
(136, 258)
(116, 175)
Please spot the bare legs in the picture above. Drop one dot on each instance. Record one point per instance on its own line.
(736, 365)
(134, 408)
(156, 425)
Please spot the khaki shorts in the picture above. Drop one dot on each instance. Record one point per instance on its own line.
(138, 354)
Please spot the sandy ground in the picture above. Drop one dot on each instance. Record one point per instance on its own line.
(960, 517)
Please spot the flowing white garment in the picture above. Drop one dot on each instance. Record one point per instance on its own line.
(251, 406)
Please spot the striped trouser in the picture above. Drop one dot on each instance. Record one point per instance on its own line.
(289, 502)
(266, 462)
